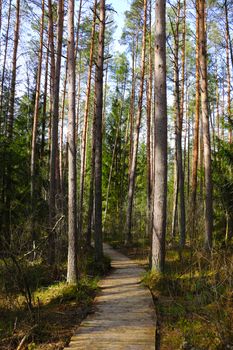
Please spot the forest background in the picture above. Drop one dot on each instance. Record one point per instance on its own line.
(84, 125)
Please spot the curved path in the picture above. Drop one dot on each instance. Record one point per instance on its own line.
(124, 316)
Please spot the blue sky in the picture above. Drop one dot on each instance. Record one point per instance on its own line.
(120, 6)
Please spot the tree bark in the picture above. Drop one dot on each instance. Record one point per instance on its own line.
(35, 126)
(44, 117)
(2, 119)
(228, 30)
(91, 190)
(196, 131)
(54, 160)
(14, 68)
(61, 167)
(228, 74)
(72, 273)
(98, 134)
(179, 121)
(148, 140)
(160, 141)
(206, 130)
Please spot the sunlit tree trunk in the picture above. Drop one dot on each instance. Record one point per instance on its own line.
(132, 96)
(228, 75)
(62, 116)
(228, 30)
(160, 140)
(196, 132)
(91, 189)
(54, 160)
(149, 109)
(72, 273)
(175, 195)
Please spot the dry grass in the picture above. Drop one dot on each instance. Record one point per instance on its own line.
(194, 300)
(58, 308)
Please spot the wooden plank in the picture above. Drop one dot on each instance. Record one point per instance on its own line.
(124, 315)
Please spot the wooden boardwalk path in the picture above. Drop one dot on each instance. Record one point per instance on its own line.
(124, 318)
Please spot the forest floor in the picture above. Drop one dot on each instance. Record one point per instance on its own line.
(57, 308)
(193, 299)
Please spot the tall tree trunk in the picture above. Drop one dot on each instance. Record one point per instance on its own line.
(14, 68)
(44, 116)
(2, 119)
(62, 116)
(230, 120)
(132, 174)
(91, 190)
(98, 134)
(132, 97)
(52, 67)
(223, 111)
(217, 102)
(105, 99)
(54, 161)
(175, 195)
(3, 131)
(149, 109)
(179, 121)
(35, 126)
(188, 145)
(206, 130)
(72, 273)
(78, 28)
(228, 30)
(86, 114)
(10, 122)
(160, 140)
(196, 131)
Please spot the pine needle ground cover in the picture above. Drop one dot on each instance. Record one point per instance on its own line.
(194, 300)
(56, 307)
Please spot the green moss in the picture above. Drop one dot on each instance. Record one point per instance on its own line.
(62, 292)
